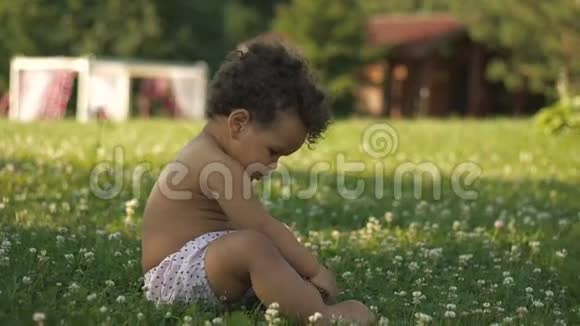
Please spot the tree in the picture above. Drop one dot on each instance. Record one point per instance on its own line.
(50, 27)
(189, 31)
(150, 29)
(538, 41)
(404, 6)
(245, 19)
(330, 33)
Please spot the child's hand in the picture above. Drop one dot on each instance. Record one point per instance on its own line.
(325, 281)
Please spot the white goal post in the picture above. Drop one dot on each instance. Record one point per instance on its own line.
(102, 85)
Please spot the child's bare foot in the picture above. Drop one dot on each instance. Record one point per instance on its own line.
(351, 310)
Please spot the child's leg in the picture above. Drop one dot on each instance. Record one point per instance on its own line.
(239, 259)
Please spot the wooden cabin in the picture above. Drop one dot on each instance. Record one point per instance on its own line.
(433, 69)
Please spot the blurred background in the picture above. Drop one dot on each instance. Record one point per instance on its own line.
(382, 58)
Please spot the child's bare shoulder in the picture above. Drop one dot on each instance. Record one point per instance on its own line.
(201, 152)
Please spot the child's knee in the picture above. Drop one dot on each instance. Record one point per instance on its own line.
(255, 243)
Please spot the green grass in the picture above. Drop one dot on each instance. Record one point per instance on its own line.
(61, 246)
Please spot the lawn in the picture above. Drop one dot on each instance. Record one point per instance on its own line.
(499, 244)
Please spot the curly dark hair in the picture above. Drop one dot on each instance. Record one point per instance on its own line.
(264, 78)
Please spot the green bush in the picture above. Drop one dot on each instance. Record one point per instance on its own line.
(562, 116)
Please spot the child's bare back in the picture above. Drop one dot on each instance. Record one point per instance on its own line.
(178, 210)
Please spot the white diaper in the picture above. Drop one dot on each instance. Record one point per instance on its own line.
(181, 276)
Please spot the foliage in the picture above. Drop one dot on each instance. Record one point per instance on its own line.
(559, 117)
(532, 41)
(73, 27)
(403, 6)
(330, 33)
(149, 29)
(535, 40)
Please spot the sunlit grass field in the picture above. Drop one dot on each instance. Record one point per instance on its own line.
(502, 247)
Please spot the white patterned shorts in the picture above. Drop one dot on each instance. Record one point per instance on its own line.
(181, 276)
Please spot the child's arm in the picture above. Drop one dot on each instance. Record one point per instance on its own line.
(237, 199)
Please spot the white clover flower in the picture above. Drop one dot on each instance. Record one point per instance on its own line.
(59, 239)
(115, 236)
(509, 281)
(413, 266)
(140, 316)
(121, 299)
(274, 305)
(103, 309)
(423, 319)
(535, 246)
(456, 225)
(451, 306)
(522, 310)
(435, 253)
(537, 270)
(69, 257)
(486, 304)
(562, 253)
(32, 250)
(529, 290)
(271, 314)
(450, 314)
(335, 234)
(217, 321)
(74, 286)
(132, 203)
(315, 317)
(39, 317)
(537, 303)
(508, 320)
(383, 321)
(26, 280)
(91, 297)
(464, 259)
(418, 297)
(109, 283)
(549, 293)
(187, 319)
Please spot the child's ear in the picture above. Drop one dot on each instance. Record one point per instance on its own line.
(238, 122)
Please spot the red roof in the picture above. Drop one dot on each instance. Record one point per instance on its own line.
(401, 29)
